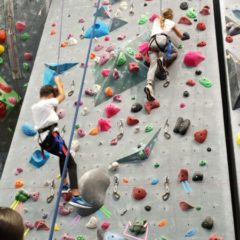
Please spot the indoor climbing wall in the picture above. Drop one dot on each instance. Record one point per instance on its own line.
(168, 185)
(232, 37)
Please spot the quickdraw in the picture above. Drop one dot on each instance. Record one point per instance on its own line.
(166, 195)
(116, 195)
(167, 135)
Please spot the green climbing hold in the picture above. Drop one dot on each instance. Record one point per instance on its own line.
(191, 13)
(198, 208)
(205, 82)
(156, 165)
(77, 126)
(80, 237)
(163, 238)
(148, 128)
(142, 155)
(130, 51)
(142, 20)
(121, 59)
(26, 67)
(25, 36)
(22, 196)
(25, 85)
(202, 163)
(180, 46)
(133, 98)
(1, 60)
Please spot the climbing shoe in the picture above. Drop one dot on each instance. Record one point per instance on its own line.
(184, 126)
(66, 188)
(149, 92)
(78, 201)
(178, 125)
(161, 72)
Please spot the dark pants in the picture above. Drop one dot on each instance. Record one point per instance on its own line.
(55, 145)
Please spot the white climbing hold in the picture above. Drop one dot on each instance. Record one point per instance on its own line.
(85, 111)
(113, 166)
(75, 146)
(72, 41)
(92, 223)
(123, 5)
(137, 129)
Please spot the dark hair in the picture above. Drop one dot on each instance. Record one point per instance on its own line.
(11, 224)
(47, 90)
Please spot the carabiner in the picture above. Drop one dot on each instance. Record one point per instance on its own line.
(82, 33)
(116, 195)
(166, 84)
(120, 126)
(167, 135)
(166, 195)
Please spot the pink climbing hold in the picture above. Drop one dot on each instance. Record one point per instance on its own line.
(214, 236)
(18, 171)
(193, 58)
(201, 44)
(63, 211)
(61, 113)
(117, 98)
(205, 11)
(105, 72)
(20, 26)
(98, 47)
(104, 58)
(67, 237)
(229, 39)
(81, 133)
(12, 100)
(133, 67)
(116, 74)
(153, 17)
(138, 56)
(28, 56)
(185, 20)
(110, 48)
(183, 175)
(147, 150)
(143, 47)
(121, 36)
(105, 225)
(41, 225)
(114, 142)
(29, 225)
(185, 206)
(104, 124)
(81, 20)
(107, 38)
(105, 2)
(35, 196)
(182, 105)
(111, 110)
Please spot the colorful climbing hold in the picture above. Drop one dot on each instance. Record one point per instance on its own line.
(191, 13)
(149, 106)
(105, 225)
(153, 17)
(163, 223)
(25, 36)
(184, 20)
(200, 135)
(2, 49)
(92, 223)
(148, 128)
(28, 56)
(3, 36)
(205, 82)
(156, 165)
(191, 82)
(108, 91)
(154, 181)
(111, 110)
(201, 44)
(104, 124)
(142, 20)
(207, 223)
(202, 163)
(121, 59)
(185, 206)
(1, 60)
(131, 121)
(201, 26)
(94, 131)
(229, 39)
(238, 138)
(130, 51)
(193, 58)
(183, 175)
(136, 107)
(133, 67)
(104, 58)
(191, 232)
(205, 11)
(19, 183)
(26, 66)
(105, 72)
(214, 236)
(139, 193)
(20, 26)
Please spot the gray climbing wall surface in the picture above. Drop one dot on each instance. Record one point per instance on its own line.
(233, 56)
(166, 220)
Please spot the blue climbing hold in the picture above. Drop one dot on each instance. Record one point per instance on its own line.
(53, 69)
(112, 236)
(191, 232)
(28, 130)
(155, 181)
(37, 159)
(236, 12)
(100, 29)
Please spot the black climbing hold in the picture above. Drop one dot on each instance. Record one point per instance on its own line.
(186, 36)
(198, 72)
(148, 208)
(186, 94)
(195, 20)
(136, 107)
(145, 4)
(207, 223)
(178, 124)
(184, 5)
(209, 149)
(197, 177)
(181, 126)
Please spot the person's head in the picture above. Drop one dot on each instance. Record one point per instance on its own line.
(11, 224)
(167, 13)
(48, 91)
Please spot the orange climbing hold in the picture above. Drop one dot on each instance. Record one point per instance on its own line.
(125, 180)
(19, 183)
(94, 131)
(92, 56)
(163, 223)
(64, 44)
(53, 32)
(3, 36)
(108, 92)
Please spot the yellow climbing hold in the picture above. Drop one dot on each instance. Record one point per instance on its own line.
(238, 138)
(56, 227)
(2, 49)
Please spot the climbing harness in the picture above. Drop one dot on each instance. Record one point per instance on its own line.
(120, 126)
(52, 192)
(70, 93)
(116, 195)
(167, 135)
(166, 195)
(82, 33)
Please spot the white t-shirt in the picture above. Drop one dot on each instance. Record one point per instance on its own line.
(44, 114)
(168, 26)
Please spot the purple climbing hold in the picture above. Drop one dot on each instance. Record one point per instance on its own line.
(61, 113)
(81, 133)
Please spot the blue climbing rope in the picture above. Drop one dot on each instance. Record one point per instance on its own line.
(73, 127)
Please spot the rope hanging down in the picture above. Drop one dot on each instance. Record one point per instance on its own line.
(73, 124)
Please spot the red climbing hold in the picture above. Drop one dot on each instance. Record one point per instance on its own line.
(190, 83)
(3, 36)
(201, 44)
(111, 110)
(12, 100)
(183, 175)
(139, 193)
(28, 56)
(201, 26)
(229, 39)
(185, 20)
(133, 67)
(185, 206)
(205, 11)
(151, 105)
(201, 135)
(138, 56)
(3, 110)
(41, 225)
(20, 26)
(193, 58)
(5, 88)
(131, 121)
(105, 225)
(214, 236)
(66, 196)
